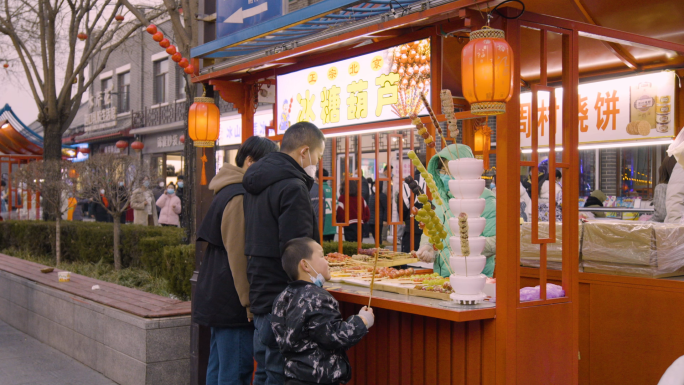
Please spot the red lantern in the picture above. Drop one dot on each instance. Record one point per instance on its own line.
(82, 36)
(121, 144)
(137, 145)
(6, 65)
(73, 174)
(119, 18)
(189, 70)
(203, 126)
(183, 63)
(182, 138)
(151, 29)
(176, 57)
(487, 75)
(171, 49)
(84, 150)
(158, 37)
(164, 43)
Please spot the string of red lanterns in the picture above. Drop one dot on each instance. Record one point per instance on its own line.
(170, 49)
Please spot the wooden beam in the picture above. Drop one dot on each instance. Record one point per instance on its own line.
(231, 92)
(615, 48)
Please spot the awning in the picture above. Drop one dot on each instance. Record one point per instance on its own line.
(158, 129)
(16, 138)
(99, 135)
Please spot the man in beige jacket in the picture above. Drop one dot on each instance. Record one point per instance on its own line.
(143, 205)
(221, 299)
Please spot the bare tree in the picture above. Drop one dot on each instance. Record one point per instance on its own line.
(54, 180)
(109, 180)
(44, 36)
(182, 14)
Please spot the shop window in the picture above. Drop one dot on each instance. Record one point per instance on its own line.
(106, 91)
(124, 87)
(636, 172)
(180, 83)
(587, 172)
(160, 69)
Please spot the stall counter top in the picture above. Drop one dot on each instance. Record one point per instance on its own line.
(428, 307)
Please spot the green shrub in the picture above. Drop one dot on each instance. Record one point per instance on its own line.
(178, 266)
(348, 248)
(84, 241)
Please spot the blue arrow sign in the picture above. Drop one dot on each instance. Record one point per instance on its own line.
(234, 15)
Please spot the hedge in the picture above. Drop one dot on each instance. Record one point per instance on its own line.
(348, 248)
(86, 241)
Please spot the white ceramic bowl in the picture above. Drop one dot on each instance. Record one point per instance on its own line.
(466, 168)
(475, 226)
(472, 207)
(476, 244)
(467, 285)
(468, 266)
(467, 188)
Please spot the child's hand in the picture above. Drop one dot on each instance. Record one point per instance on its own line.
(367, 316)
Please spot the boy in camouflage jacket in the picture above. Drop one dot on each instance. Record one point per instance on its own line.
(307, 322)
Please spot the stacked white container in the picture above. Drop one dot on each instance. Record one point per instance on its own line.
(467, 187)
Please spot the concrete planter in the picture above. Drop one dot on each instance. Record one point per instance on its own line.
(128, 349)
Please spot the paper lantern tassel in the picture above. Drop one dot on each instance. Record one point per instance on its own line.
(203, 182)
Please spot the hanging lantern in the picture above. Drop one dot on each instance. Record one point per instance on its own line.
(183, 63)
(119, 18)
(151, 29)
(137, 145)
(72, 173)
(158, 37)
(6, 65)
(171, 49)
(182, 138)
(121, 144)
(487, 68)
(203, 126)
(82, 36)
(189, 70)
(176, 57)
(165, 43)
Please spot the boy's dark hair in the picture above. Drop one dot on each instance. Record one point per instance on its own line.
(301, 134)
(181, 177)
(255, 147)
(326, 173)
(559, 175)
(296, 250)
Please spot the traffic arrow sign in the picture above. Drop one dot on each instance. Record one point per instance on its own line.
(240, 15)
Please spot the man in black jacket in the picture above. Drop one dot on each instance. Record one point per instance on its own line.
(277, 209)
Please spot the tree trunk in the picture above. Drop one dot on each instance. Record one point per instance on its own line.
(117, 235)
(58, 236)
(52, 141)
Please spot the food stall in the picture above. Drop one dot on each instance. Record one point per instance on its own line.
(354, 81)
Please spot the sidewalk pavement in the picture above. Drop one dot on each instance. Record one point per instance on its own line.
(26, 361)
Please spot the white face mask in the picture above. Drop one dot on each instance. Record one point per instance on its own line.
(102, 192)
(161, 184)
(319, 280)
(311, 168)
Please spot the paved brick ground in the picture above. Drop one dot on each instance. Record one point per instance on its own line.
(26, 361)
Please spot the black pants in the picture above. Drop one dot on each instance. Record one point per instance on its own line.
(351, 232)
(372, 232)
(406, 239)
(328, 238)
(292, 381)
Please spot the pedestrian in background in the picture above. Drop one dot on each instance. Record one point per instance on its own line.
(142, 202)
(170, 206)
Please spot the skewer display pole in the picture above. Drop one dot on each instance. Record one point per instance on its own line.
(435, 122)
(375, 266)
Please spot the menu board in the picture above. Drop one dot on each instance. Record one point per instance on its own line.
(630, 108)
(378, 86)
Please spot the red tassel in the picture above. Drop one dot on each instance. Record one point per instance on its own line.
(203, 181)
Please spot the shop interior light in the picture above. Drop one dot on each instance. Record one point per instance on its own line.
(606, 145)
(372, 131)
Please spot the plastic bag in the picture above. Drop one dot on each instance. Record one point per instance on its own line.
(533, 293)
(676, 149)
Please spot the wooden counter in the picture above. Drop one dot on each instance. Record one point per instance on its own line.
(420, 340)
(630, 329)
